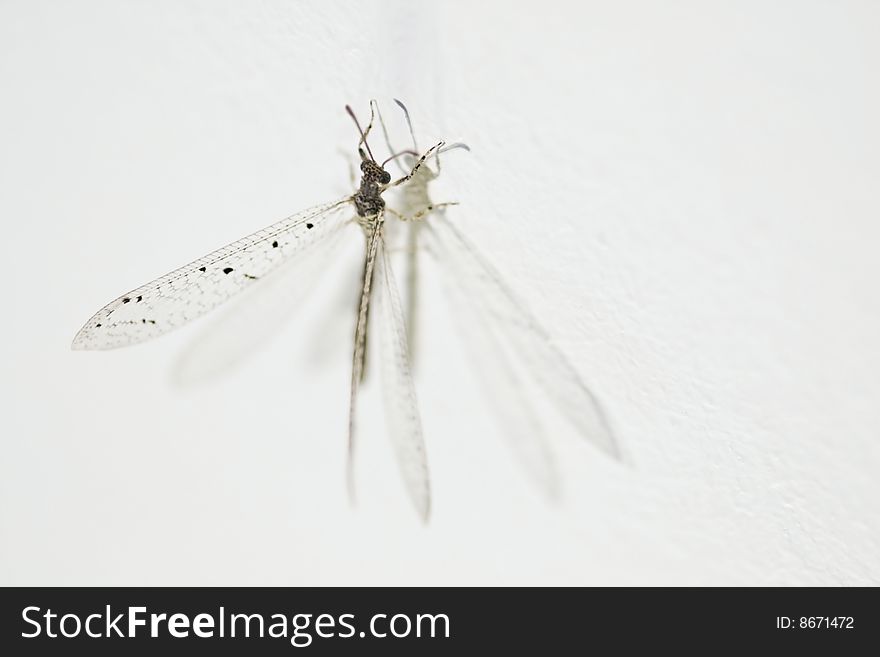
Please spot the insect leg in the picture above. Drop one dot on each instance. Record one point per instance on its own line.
(415, 168)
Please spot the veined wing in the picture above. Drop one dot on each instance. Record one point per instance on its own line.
(412, 287)
(374, 239)
(192, 290)
(401, 408)
(250, 320)
(527, 338)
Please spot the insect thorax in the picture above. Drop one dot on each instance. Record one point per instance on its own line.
(368, 199)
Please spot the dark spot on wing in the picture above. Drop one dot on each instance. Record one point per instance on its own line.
(126, 300)
(227, 270)
(98, 325)
(310, 226)
(253, 278)
(139, 299)
(201, 269)
(275, 244)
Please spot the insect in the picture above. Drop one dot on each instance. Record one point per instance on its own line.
(502, 322)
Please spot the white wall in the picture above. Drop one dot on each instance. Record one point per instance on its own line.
(687, 193)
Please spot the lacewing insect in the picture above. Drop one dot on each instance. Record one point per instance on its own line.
(194, 289)
(501, 324)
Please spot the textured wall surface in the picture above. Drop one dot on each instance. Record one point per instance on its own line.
(686, 194)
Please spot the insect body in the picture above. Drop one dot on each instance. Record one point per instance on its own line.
(194, 289)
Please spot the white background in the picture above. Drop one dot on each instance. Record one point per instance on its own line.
(686, 193)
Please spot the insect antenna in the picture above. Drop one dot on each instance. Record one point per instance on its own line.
(397, 155)
(363, 141)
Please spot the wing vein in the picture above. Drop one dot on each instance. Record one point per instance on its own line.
(194, 289)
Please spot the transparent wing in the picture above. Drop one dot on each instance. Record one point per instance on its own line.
(527, 338)
(192, 290)
(374, 238)
(412, 287)
(401, 409)
(252, 319)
